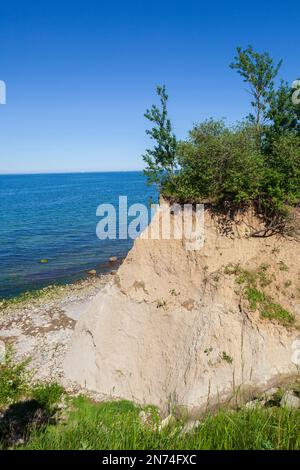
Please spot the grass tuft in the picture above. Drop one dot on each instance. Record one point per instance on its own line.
(252, 282)
(117, 426)
(30, 419)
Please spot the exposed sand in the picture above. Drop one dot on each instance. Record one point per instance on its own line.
(41, 327)
(179, 327)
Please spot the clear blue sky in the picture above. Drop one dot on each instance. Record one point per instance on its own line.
(80, 74)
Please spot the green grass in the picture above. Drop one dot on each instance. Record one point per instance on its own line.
(255, 297)
(47, 395)
(253, 282)
(116, 425)
(46, 292)
(43, 416)
(276, 311)
(268, 309)
(251, 278)
(226, 357)
(13, 378)
(23, 406)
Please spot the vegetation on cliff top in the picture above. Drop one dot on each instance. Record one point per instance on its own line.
(253, 163)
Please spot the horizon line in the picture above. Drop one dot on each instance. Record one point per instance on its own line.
(68, 172)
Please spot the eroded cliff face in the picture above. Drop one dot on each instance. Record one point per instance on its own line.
(179, 327)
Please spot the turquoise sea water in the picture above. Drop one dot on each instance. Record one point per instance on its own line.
(53, 217)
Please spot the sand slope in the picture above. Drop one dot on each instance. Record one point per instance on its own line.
(174, 327)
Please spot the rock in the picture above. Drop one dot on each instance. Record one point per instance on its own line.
(92, 272)
(2, 352)
(190, 426)
(43, 261)
(271, 392)
(113, 259)
(290, 400)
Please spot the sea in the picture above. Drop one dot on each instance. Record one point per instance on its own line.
(48, 226)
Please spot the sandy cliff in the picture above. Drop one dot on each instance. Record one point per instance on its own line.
(177, 327)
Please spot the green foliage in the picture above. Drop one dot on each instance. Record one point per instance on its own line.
(219, 164)
(161, 160)
(255, 297)
(117, 426)
(23, 406)
(275, 311)
(283, 115)
(225, 357)
(252, 283)
(30, 420)
(259, 71)
(268, 308)
(256, 163)
(49, 292)
(224, 166)
(282, 180)
(13, 378)
(47, 395)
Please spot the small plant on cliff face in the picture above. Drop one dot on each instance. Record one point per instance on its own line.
(252, 283)
(174, 292)
(161, 303)
(248, 277)
(207, 351)
(225, 357)
(232, 268)
(255, 297)
(282, 266)
(277, 312)
(268, 309)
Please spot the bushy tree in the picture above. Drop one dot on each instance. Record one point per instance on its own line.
(283, 115)
(259, 71)
(220, 164)
(282, 180)
(161, 161)
(256, 163)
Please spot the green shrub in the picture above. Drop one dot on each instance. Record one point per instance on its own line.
(275, 311)
(219, 164)
(255, 297)
(13, 378)
(268, 309)
(255, 163)
(47, 395)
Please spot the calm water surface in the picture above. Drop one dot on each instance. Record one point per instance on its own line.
(54, 217)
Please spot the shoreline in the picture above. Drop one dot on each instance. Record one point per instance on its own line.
(39, 324)
(110, 267)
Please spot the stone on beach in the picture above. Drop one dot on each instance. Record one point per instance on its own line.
(290, 400)
(92, 272)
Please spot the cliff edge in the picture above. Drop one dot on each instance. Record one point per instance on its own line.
(193, 328)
